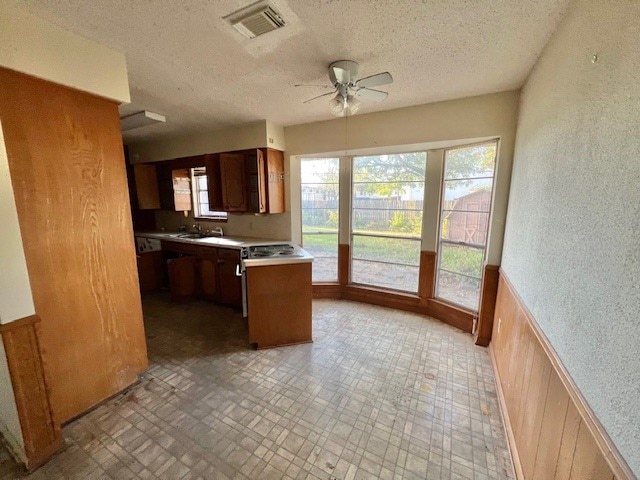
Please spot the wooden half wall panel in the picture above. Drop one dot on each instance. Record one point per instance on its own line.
(67, 169)
(42, 436)
(553, 433)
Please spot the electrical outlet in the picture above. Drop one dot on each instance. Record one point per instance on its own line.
(270, 140)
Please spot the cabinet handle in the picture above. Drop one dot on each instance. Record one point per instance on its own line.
(238, 272)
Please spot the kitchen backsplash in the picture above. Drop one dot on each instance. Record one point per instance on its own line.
(276, 227)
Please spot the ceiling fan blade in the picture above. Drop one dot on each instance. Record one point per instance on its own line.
(371, 95)
(318, 86)
(342, 75)
(319, 96)
(375, 80)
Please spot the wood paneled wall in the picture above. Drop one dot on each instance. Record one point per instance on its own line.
(68, 174)
(42, 437)
(553, 434)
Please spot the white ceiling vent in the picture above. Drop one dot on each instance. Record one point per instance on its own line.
(257, 22)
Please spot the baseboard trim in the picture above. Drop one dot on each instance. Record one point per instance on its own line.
(603, 441)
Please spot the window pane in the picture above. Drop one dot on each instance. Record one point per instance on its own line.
(463, 260)
(388, 197)
(320, 170)
(323, 246)
(387, 250)
(203, 197)
(468, 194)
(471, 162)
(458, 289)
(390, 168)
(202, 182)
(407, 223)
(464, 218)
(319, 195)
(467, 227)
(396, 277)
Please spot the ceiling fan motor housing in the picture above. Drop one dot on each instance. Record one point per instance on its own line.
(343, 72)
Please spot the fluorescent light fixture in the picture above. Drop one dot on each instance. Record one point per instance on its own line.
(140, 119)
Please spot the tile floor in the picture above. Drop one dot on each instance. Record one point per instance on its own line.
(379, 394)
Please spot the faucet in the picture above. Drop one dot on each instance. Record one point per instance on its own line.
(218, 231)
(197, 227)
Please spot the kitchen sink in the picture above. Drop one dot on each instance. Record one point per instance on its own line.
(191, 235)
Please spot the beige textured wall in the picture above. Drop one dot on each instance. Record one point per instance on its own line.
(34, 46)
(252, 135)
(572, 246)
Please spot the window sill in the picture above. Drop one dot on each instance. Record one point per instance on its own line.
(209, 219)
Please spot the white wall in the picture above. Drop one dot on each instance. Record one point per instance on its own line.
(15, 298)
(251, 135)
(34, 46)
(572, 247)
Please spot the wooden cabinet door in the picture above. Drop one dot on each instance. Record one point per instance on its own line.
(147, 191)
(275, 181)
(229, 284)
(208, 275)
(214, 182)
(150, 271)
(181, 179)
(182, 277)
(234, 182)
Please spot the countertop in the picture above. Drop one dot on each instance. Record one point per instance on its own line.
(236, 243)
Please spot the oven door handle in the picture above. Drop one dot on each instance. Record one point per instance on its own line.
(239, 271)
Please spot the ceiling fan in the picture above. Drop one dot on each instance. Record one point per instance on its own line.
(349, 90)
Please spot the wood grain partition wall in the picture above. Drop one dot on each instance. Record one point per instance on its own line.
(68, 174)
(553, 434)
(42, 437)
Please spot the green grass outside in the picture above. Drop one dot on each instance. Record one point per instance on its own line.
(454, 258)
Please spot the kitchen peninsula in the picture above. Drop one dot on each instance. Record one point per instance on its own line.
(269, 279)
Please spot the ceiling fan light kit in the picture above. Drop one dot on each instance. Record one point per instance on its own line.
(348, 89)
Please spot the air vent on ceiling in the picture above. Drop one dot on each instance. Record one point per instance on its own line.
(258, 22)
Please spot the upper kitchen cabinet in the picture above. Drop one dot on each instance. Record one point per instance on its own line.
(146, 186)
(250, 181)
(275, 179)
(181, 180)
(233, 174)
(174, 179)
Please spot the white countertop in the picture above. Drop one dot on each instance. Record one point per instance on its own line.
(236, 243)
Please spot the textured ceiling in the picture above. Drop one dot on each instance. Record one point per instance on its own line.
(187, 63)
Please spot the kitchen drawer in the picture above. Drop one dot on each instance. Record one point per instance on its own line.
(178, 247)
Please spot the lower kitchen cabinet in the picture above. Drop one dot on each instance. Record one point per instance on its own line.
(208, 272)
(230, 285)
(208, 275)
(182, 277)
(279, 304)
(150, 271)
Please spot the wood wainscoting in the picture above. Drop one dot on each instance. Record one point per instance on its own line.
(487, 305)
(553, 434)
(42, 436)
(67, 169)
(422, 303)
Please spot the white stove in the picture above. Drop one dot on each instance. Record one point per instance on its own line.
(278, 250)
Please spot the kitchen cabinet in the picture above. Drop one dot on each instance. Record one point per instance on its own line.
(279, 304)
(275, 179)
(233, 175)
(181, 181)
(247, 181)
(230, 286)
(146, 186)
(208, 272)
(182, 277)
(150, 271)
